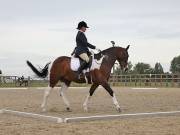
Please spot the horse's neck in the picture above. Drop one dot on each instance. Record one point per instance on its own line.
(111, 60)
(110, 56)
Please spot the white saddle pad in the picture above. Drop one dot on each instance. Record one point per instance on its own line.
(75, 64)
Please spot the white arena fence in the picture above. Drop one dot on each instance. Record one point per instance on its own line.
(149, 80)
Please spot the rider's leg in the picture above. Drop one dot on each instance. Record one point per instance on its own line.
(85, 59)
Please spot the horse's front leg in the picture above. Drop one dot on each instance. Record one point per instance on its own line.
(91, 91)
(111, 92)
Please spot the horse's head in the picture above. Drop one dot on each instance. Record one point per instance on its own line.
(122, 57)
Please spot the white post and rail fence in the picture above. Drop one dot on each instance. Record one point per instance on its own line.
(148, 80)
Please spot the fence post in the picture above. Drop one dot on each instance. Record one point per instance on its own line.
(161, 80)
(29, 81)
(155, 79)
(150, 80)
(167, 80)
(136, 80)
(140, 79)
(179, 80)
(125, 77)
(15, 81)
(172, 80)
(130, 81)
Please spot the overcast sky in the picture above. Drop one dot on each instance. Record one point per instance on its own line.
(41, 30)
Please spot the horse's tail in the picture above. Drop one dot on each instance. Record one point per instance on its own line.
(43, 73)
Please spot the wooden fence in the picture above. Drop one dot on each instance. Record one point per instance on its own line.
(157, 80)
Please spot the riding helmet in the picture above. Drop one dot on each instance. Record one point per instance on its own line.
(82, 24)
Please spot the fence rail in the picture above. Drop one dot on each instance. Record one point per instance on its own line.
(149, 80)
(159, 80)
(10, 80)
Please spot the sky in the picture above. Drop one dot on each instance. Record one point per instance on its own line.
(42, 30)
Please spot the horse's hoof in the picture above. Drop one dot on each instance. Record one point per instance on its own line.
(119, 110)
(85, 109)
(43, 110)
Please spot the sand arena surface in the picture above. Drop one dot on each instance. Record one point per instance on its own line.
(131, 101)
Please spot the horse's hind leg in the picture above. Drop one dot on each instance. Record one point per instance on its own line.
(46, 95)
(92, 89)
(53, 82)
(64, 87)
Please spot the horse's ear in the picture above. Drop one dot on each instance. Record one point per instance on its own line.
(127, 47)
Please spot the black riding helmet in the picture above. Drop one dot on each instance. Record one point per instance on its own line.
(82, 24)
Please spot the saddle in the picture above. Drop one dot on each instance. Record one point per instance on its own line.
(93, 63)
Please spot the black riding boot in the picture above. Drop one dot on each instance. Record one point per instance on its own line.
(82, 66)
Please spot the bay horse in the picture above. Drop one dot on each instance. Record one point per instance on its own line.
(61, 70)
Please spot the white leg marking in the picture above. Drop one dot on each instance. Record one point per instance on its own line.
(115, 102)
(63, 88)
(86, 79)
(46, 95)
(85, 105)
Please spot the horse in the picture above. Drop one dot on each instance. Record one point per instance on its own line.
(21, 80)
(61, 71)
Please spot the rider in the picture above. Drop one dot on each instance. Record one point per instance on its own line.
(82, 46)
(22, 78)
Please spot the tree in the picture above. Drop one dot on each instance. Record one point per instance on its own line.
(142, 68)
(119, 71)
(175, 65)
(158, 69)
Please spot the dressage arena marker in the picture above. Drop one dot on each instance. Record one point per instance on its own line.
(32, 115)
(122, 116)
(89, 118)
